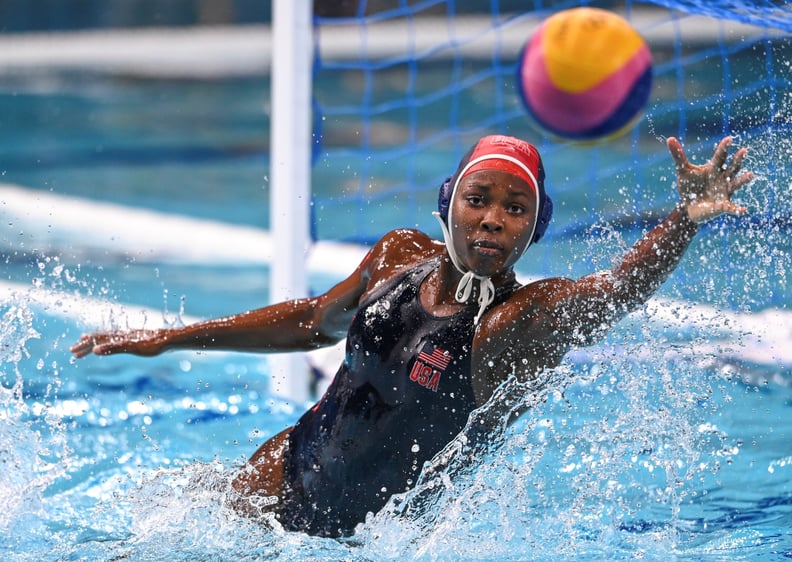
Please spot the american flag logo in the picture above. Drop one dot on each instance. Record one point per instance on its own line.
(438, 359)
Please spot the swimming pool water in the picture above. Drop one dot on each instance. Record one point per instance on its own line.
(639, 456)
(661, 443)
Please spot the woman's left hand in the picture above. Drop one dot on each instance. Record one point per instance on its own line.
(706, 189)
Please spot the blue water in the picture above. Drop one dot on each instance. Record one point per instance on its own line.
(662, 443)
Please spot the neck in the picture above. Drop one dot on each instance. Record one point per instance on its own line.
(454, 287)
(446, 278)
(451, 275)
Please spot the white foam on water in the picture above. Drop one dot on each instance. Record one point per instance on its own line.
(50, 223)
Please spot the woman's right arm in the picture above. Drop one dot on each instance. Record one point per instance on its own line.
(301, 324)
(295, 325)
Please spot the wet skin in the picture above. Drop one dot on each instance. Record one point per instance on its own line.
(492, 218)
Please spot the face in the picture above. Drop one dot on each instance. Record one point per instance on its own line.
(492, 220)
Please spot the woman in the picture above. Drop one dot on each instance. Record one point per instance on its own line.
(432, 330)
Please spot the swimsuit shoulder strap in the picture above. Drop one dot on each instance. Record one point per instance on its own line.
(412, 275)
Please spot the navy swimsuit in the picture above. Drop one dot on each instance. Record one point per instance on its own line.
(401, 394)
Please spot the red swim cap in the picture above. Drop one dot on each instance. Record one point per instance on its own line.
(508, 154)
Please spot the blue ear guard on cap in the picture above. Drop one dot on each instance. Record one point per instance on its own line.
(444, 198)
(545, 204)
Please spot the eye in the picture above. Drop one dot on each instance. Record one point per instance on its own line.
(475, 200)
(516, 209)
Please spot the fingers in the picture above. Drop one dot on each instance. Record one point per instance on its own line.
(732, 172)
(79, 353)
(677, 152)
(729, 208)
(82, 347)
(719, 157)
(703, 211)
(742, 180)
(721, 153)
(98, 344)
(734, 184)
(734, 209)
(734, 180)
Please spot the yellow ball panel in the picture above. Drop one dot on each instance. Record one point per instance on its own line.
(583, 46)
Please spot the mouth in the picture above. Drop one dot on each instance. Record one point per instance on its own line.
(487, 247)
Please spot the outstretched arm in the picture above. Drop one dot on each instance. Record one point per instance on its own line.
(598, 301)
(296, 325)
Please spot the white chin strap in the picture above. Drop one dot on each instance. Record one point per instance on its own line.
(486, 287)
(465, 286)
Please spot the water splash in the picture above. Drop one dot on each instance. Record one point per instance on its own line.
(609, 463)
(603, 465)
(32, 446)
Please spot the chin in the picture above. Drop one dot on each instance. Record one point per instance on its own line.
(488, 268)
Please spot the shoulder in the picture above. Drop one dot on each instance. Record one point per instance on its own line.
(530, 315)
(541, 293)
(400, 249)
(412, 236)
(406, 245)
(551, 312)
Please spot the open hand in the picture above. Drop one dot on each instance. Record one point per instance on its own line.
(137, 342)
(706, 189)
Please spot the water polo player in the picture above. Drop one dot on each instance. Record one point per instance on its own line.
(432, 329)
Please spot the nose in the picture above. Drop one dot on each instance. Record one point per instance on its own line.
(492, 221)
